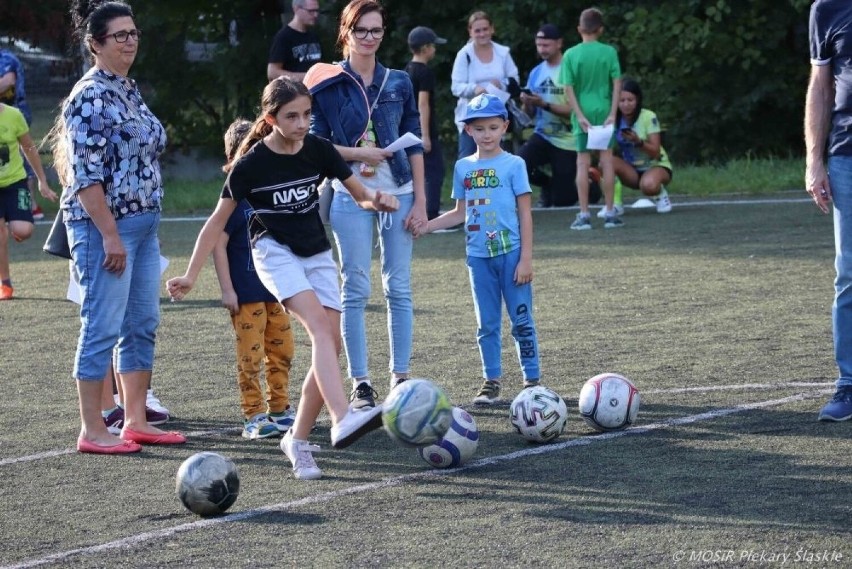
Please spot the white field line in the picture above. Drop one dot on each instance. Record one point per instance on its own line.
(137, 539)
(676, 204)
(698, 389)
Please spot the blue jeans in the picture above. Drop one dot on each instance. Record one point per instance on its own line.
(492, 281)
(353, 233)
(122, 311)
(840, 174)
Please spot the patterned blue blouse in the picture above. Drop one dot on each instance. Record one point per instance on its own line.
(115, 145)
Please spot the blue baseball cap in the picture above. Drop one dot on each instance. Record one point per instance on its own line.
(485, 106)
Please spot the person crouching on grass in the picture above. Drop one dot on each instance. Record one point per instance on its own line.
(277, 170)
(494, 201)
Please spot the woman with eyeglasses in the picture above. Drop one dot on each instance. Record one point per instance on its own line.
(362, 107)
(106, 144)
(481, 66)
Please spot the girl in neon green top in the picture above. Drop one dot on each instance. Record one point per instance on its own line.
(643, 164)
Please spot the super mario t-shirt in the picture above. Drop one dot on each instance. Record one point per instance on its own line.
(489, 188)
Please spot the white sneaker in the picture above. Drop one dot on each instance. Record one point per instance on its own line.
(299, 453)
(152, 402)
(355, 424)
(643, 203)
(664, 204)
(619, 211)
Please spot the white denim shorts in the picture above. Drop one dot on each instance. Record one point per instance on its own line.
(285, 274)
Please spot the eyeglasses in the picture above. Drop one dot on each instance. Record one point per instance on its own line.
(122, 36)
(362, 33)
(311, 11)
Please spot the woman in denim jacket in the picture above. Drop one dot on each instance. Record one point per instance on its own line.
(361, 106)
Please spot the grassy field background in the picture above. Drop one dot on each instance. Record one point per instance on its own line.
(719, 313)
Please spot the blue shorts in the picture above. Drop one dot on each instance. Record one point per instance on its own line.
(15, 202)
(120, 312)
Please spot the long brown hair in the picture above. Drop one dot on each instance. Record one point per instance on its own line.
(276, 94)
(353, 12)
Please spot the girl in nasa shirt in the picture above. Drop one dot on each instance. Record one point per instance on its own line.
(278, 168)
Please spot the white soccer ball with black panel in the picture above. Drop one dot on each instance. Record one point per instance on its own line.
(456, 446)
(609, 402)
(417, 413)
(207, 483)
(539, 414)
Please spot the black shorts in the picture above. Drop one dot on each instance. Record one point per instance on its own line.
(15, 203)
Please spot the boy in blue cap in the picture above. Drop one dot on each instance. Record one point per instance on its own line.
(494, 201)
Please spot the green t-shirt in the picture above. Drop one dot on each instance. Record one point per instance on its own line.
(590, 69)
(12, 127)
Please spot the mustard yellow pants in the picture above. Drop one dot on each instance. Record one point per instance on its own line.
(263, 334)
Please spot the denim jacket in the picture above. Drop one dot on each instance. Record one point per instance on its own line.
(340, 111)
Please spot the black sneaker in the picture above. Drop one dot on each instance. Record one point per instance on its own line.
(363, 396)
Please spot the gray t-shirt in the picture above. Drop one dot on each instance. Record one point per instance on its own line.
(830, 32)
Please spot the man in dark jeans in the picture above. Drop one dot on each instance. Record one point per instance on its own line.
(828, 120)
(552, 142)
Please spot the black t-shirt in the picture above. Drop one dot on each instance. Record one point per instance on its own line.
(295, 50)
(831, 44)
(423, 79)
(282, 190)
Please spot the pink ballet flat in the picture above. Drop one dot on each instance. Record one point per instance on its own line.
(170, 438)
(126, 447)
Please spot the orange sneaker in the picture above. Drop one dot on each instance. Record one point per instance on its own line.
(6, 292)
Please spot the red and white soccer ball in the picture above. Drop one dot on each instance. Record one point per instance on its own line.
(609, 402)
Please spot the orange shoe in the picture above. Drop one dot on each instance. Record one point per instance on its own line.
(6, 292)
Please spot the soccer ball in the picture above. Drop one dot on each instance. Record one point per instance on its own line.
(609, 402)
(539, 414)
(457, 445)
(417, 413)
(207, 483)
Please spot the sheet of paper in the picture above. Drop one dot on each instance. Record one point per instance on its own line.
(499, 93)
(599, 137)
(403, 141)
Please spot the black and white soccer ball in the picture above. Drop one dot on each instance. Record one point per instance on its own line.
(609, 402)
(539, 414)
(207, 483)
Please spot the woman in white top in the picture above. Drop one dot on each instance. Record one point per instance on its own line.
(481, 66)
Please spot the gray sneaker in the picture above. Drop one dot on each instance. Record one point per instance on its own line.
(612, 222)
(489, 394)
(363, 396)
(355, 425)
(299, 453)
(582, 223)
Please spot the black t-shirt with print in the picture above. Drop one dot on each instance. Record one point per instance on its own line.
(282, 190)
(294, 50)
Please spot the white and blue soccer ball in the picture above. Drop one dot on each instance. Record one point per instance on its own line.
(207, 483)
(609, 402)
(539, 414)
(417, 413)
(457, 445)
